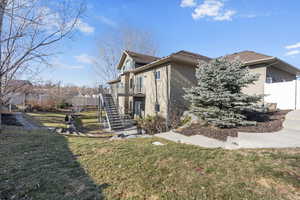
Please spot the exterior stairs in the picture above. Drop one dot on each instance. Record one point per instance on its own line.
(112, 114)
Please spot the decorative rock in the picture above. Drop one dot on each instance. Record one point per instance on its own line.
(59, 130)
(122, 135)
(132, 136)
(272, 107)
(158, 143)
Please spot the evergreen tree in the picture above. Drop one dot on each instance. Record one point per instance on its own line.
(217, 98)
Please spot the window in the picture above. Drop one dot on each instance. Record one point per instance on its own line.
(157, 75)
(157, 107)
(130, 106)
(131, 83)
(139, 85)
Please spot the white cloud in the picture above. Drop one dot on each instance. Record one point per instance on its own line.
(48, 19)
(214, 9)
(108, 21)
(293, 46)
(188, 3)
(84, 27)
(52, 21)
(227, 16)
(86, 59)
(59, 64)
(292, 53)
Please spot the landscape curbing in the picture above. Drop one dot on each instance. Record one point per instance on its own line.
(288, 137)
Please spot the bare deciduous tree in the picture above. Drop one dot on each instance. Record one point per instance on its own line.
(111, 45)
(28, 31)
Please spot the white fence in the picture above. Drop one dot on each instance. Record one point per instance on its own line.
(285, 94)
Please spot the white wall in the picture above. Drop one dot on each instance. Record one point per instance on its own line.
(284, 94)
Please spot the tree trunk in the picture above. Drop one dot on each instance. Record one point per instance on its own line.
(3, 4)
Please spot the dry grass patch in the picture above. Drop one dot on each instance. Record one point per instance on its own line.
(46, 166)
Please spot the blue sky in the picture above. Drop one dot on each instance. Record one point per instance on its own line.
(209, 27)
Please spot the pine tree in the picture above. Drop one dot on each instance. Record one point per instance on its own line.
(217, 98)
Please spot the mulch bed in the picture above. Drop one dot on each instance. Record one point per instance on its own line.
(266, 123)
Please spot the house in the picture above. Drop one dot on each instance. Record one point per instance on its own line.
(150, 85)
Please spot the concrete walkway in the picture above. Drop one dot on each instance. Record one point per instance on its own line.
(288, 137)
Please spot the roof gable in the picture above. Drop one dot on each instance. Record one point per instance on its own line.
(248, 56)
(137, 58)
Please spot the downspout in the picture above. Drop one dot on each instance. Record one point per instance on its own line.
(156, 100)
(168, 98)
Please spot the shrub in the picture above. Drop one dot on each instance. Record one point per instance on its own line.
(152, 124)
(64, 104)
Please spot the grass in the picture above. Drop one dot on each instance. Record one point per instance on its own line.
(40, 165)
(90, 121)
(50, 119)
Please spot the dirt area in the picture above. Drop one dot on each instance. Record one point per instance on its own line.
(10, 120)
(266, 123)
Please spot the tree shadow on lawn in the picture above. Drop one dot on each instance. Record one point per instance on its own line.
(37, 165)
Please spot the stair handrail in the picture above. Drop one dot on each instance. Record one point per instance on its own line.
(105, 108)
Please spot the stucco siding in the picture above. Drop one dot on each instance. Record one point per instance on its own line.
(152, 92)
(121, 101)
(278, 75)
(182, 76)
(258, 86)
(114, 91)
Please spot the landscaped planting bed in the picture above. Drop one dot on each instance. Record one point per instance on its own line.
(268, 122)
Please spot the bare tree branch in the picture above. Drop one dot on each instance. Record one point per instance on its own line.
(111, 46)
(28, 28)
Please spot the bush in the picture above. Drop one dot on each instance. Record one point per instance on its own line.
(152, 124)
(64, 104)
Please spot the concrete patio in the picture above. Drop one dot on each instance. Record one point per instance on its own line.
(288, 137)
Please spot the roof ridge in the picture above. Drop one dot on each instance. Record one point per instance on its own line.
(250, 51)
(142, 54)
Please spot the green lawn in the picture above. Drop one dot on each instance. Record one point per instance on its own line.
(41, 165)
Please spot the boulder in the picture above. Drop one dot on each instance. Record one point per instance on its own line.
(157, 143)
(271, 107)
(59, 130)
